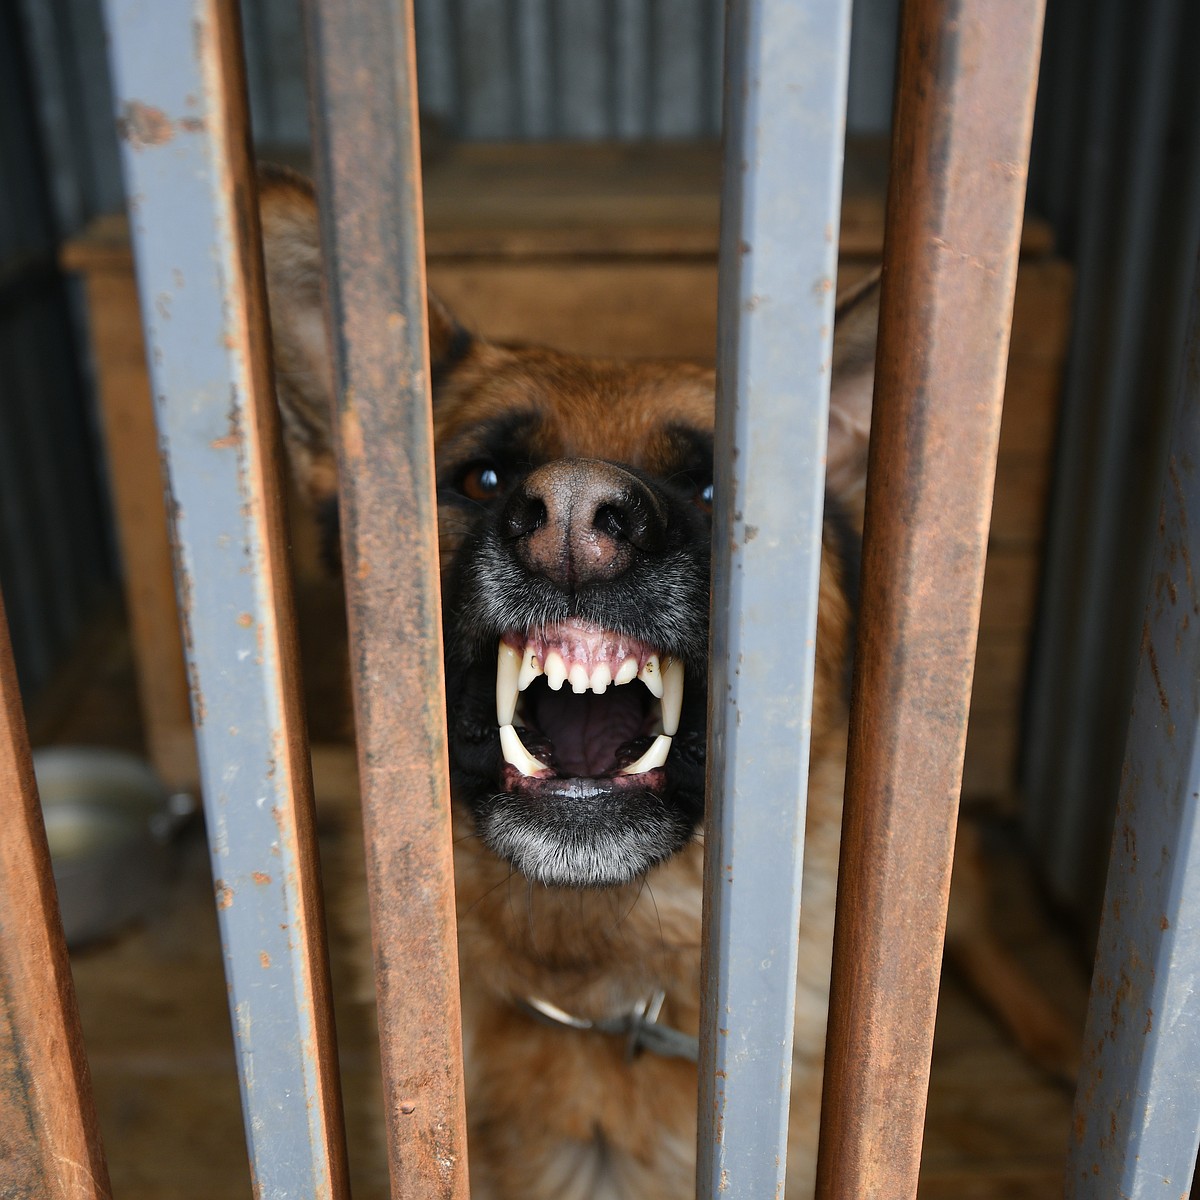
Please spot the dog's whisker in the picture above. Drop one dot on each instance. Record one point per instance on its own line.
(634, 903)
(662, 937)
(490, 891)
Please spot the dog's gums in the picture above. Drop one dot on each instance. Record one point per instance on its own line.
(587, 737)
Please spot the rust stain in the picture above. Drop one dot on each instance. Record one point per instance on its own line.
(245, 620)
(142, 125)
(1164, 924)
(352, 434)
(224, 894)
(260, 877)
(264, 960)
(1152, 658)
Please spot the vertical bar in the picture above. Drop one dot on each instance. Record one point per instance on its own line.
(1135, 1133)
(785, 108)
(960, 150)
(369, 182)
(182, 120)
(49, 1139)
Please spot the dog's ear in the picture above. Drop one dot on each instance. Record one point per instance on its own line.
(303, 364)
(856, 322)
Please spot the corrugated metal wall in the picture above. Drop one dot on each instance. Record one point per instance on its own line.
(1116, 168)
(55, 546)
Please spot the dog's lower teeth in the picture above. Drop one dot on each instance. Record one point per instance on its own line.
(517, 756)
(654, 758)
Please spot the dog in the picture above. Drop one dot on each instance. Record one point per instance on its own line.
(575, 525)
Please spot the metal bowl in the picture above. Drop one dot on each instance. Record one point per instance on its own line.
(109, 822)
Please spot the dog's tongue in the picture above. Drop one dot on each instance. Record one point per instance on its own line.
(587, 730)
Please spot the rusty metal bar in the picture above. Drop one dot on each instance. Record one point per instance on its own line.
(49, 1139)
(1135, 1133)
(369, 183)
(967, 77)
(786, 69)
(182, 118)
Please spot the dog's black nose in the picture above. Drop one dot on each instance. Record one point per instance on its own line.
(579, 522)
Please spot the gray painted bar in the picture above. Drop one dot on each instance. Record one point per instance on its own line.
(181, 115)
(786, 68)
(1136, 1131)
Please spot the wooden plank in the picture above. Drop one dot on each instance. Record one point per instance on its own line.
(990, 761)
(1019, 505)
(1009, 590)
(1031, 399)
(135, 478)
(520, 200)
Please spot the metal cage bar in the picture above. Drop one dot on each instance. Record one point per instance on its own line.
(785, 112)
(1135, 1132)
(964, 111)
(369, 181)
(182, 115)
(49, 1139)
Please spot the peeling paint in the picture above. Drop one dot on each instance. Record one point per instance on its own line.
(142, 125)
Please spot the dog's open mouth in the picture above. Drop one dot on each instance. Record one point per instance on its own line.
(579, 702)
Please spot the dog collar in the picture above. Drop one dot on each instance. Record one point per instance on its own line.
(640, 1026)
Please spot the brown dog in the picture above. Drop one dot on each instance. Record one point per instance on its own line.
(574, 500)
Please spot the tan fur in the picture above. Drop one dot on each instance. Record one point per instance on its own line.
(556, 1114)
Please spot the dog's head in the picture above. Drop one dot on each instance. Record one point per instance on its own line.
(574, 508)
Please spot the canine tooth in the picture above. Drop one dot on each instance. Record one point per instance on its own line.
(672, 695)
(516, 755)
(651, 676)
(555, 669)
(530, 669)
(656, 756)
(627, 672)
(508, 664)
(601, 678)
(579, 678)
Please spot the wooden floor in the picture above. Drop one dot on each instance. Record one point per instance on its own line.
(153, 1006)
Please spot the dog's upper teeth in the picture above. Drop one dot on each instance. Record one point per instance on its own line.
(515, 753)
(627, 672)
(517, 669)
(508, 668)
(672, 695)
(656, 756)
(556, 670)
(531, 668)
(651, 676)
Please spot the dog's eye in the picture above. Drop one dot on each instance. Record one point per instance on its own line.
(703, 499)
(481, 482)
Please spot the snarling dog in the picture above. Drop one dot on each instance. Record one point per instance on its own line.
(574, 510)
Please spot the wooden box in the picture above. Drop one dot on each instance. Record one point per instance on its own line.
(606, 250)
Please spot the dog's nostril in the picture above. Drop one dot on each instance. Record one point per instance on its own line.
(612, 520)
(523, 514)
